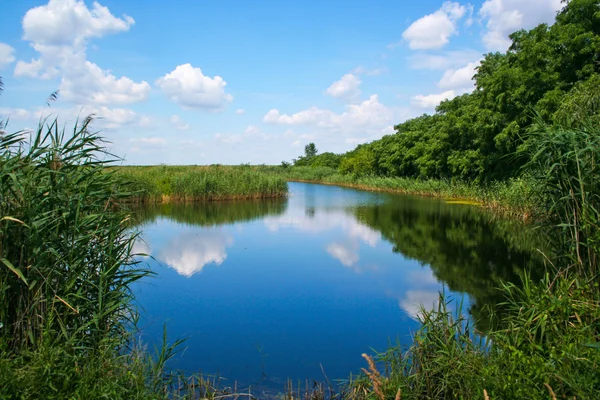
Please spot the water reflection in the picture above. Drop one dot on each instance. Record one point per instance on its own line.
(316, 279)
(190, 252)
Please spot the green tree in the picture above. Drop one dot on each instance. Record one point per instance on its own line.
(310, 150)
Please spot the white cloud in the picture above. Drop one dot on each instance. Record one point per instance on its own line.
(507, 16)
(151, 141)
(346, 88)
(356, 141)
(59, 31)
(251, 131)
(369, 115)
(240, 111)
(369, 72)
(432, 100)
(20, 114)
(70, 22)
(178, 123)
(191, 89)
(7, 55)
(190, 252)
(85, 82)
(459, 78)
(104, 117)
(433, 31)
(442, 60)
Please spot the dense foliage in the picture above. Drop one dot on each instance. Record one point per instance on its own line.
(552, 70)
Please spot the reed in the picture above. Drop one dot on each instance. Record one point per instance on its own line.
(67, 321)
(163, 183)
(546, 341)
(514, 197)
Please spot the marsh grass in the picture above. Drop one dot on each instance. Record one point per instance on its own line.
(163, 183)
(514, 197)
(546, 339)
(67, 321)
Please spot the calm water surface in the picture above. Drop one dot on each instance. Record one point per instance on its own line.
(269, 290)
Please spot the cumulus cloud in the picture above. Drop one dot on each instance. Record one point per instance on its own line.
(442, 60)
(70, 22)
(178, 123)
(191, 89)
(432, 100)
(59, 31)
(368, 115)
(433, 31)
(240, 111)
(104, 117)
(251, 131)
(506, 16)
(85, 82)
(459, 78)
(369, 72)
(7, 55)
(346, 88)
(152, 141)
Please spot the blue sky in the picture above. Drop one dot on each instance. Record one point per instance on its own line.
(239, 81)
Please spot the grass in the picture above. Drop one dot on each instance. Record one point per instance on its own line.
(546, 342)
(163, 183)
(212, 213)
(542, 351)
(514, 197)
(67, 321)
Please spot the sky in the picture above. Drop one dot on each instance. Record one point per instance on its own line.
(239, 81)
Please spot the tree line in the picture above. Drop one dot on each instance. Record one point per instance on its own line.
(549, 75)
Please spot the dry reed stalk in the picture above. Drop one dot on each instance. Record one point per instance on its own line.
(374, 376)
(398, 394)
(552, 394)
(485, 395)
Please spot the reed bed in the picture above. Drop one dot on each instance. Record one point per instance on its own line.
(545, 343)
(514, 197)
(159, 184)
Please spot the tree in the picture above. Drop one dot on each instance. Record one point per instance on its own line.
(310, 150)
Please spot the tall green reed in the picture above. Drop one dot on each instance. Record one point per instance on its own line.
(564, 165)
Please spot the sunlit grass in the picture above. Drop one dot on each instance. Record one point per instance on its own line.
(201, 183)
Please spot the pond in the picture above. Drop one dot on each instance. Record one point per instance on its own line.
(295, 288)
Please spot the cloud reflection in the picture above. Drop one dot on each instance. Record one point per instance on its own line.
(190, 252)
(346, 254)
(415, 300)
(356, 232)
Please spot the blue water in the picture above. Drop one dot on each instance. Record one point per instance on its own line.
(265, 291)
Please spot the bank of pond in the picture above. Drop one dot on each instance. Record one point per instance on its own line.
(274, 293)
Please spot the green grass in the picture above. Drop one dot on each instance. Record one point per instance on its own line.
(514, 197)
(201, 183)
(67, 321)
(542, 347)
(545, 342)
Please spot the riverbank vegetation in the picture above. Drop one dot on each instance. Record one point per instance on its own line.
(529, 129)
(157, 184)
(477, 145)
(528, 136)
(66, 271)
(513, 197)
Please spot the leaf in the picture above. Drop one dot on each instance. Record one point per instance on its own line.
(14, 220)
(593, 345)
(15, 270)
